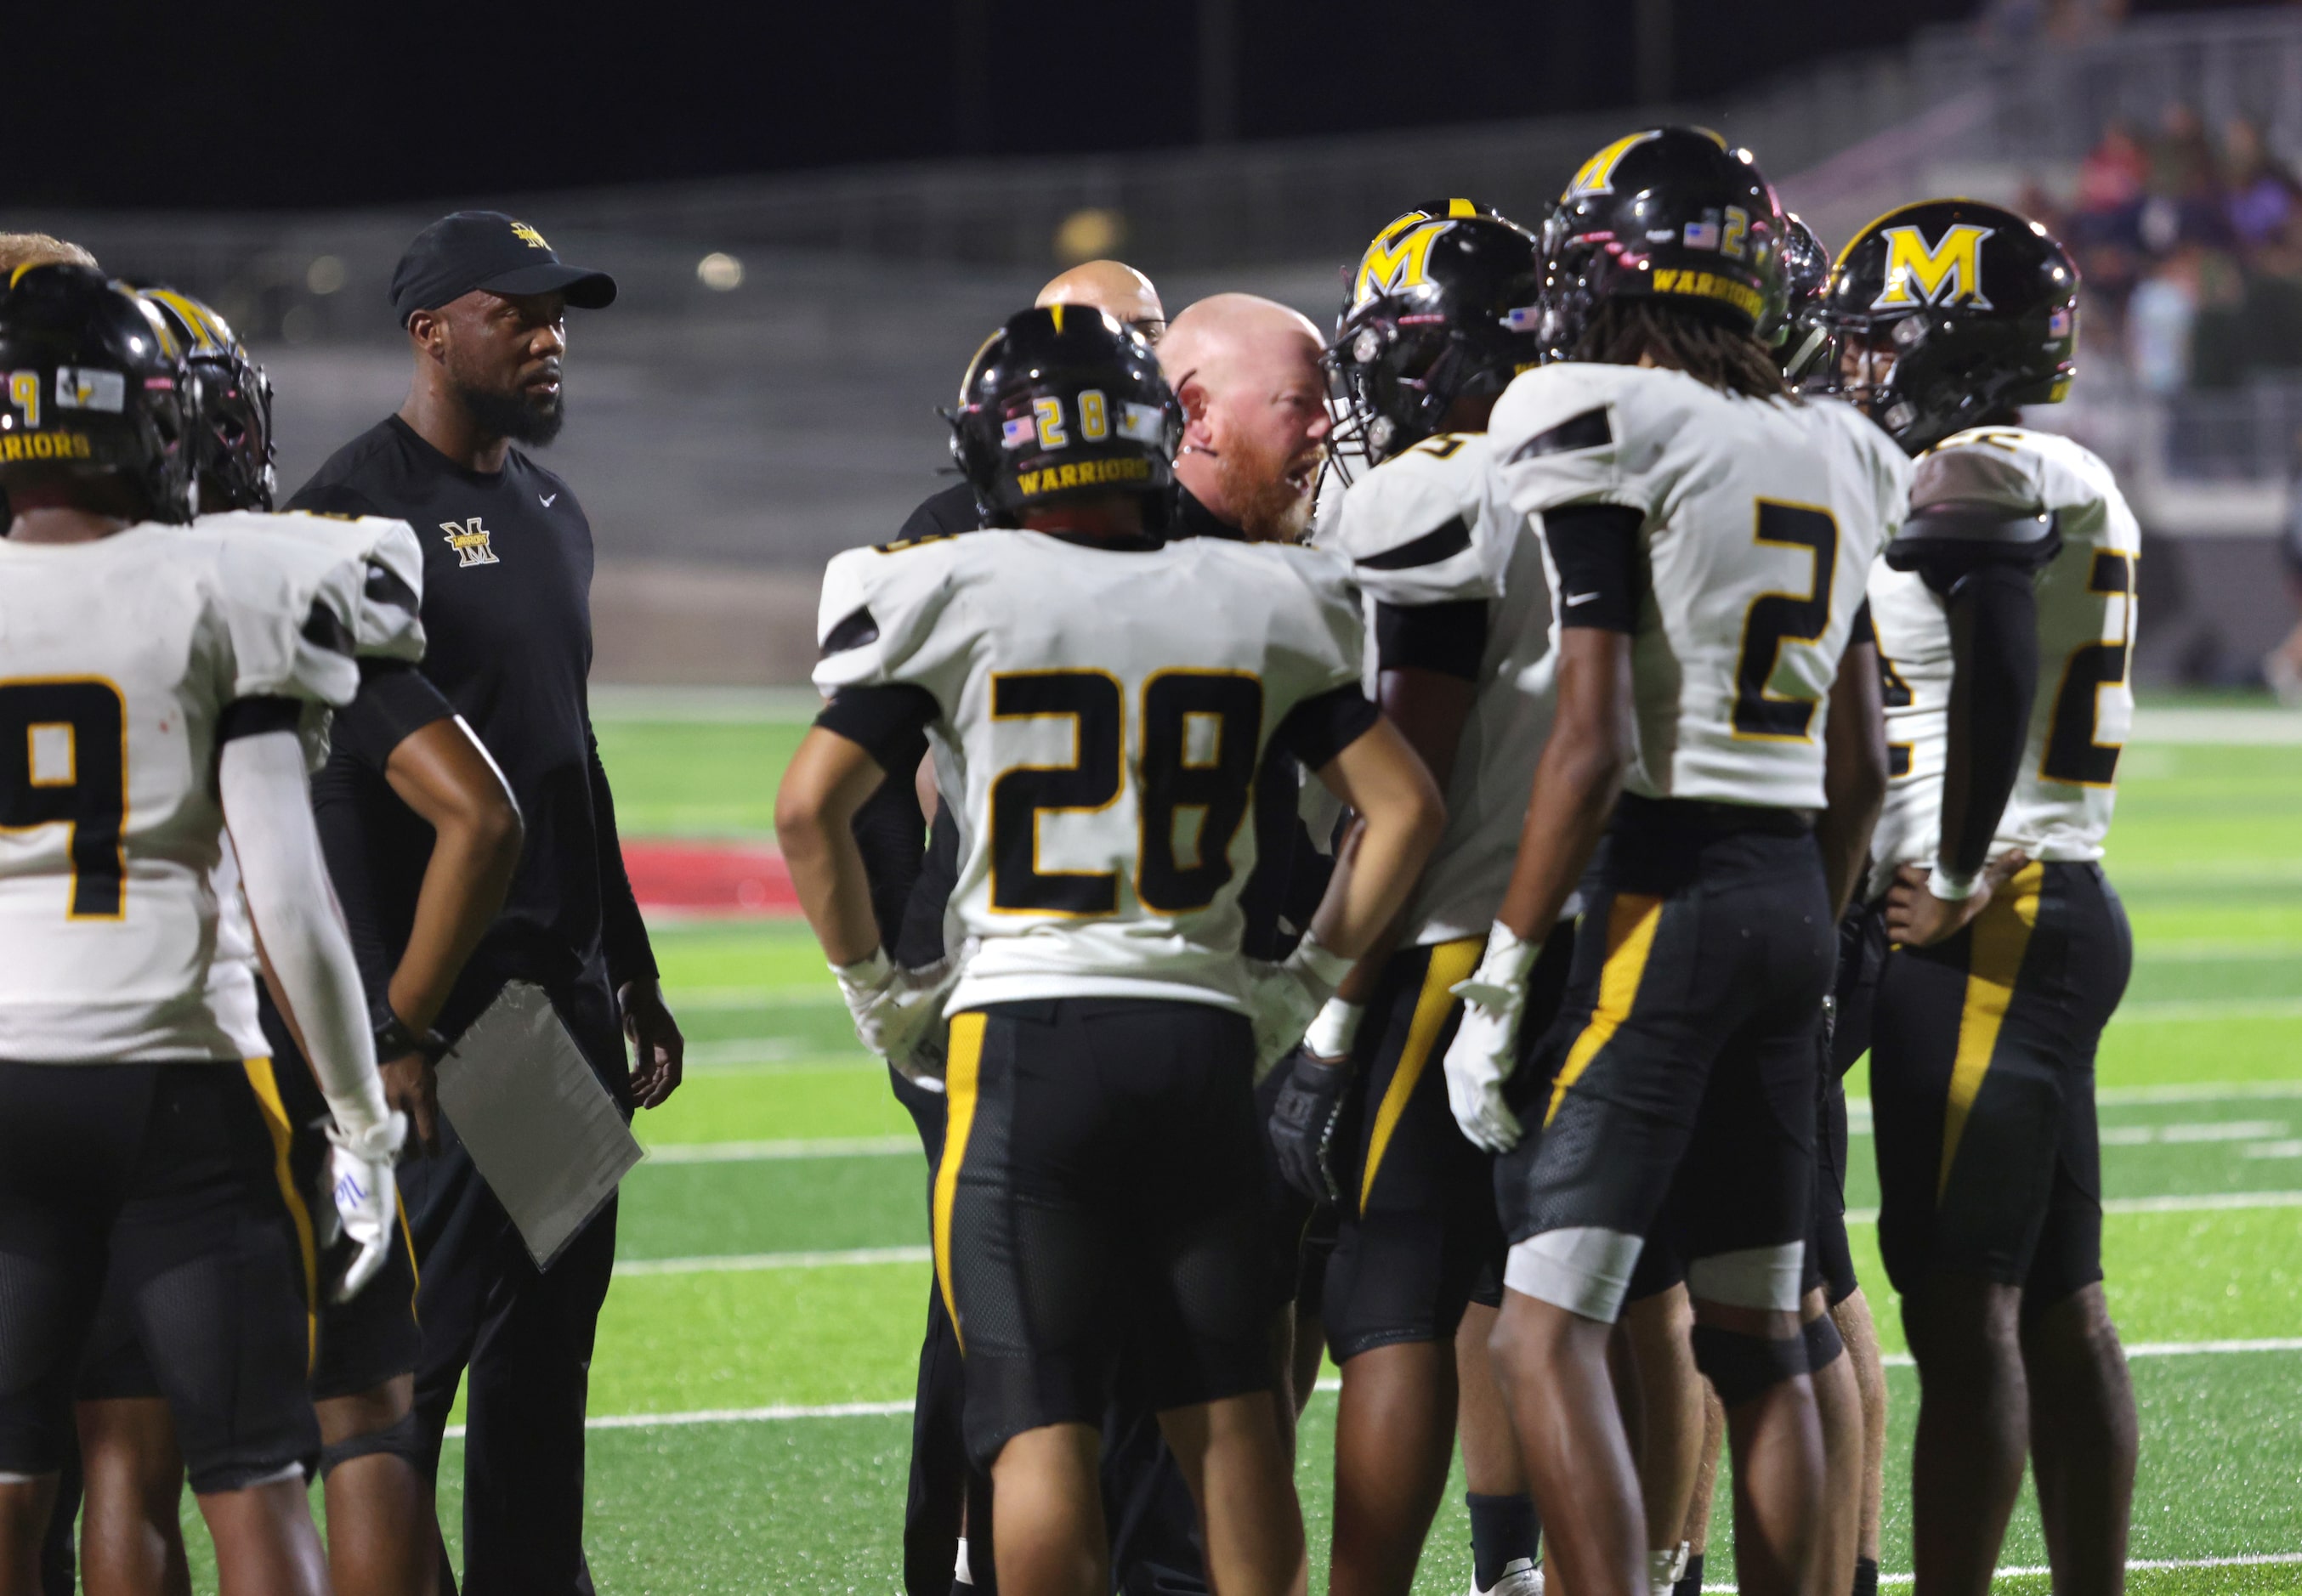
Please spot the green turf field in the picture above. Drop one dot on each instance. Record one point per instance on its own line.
(772, 1257)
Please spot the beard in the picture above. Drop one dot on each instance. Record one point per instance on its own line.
(514, 415)
(1267, 508)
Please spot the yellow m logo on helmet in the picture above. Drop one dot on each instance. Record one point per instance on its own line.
(1394, 262)
(1945, 273)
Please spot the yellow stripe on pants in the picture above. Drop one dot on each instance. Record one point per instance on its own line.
(1450, 962)
(1631, 923)
(2000, 936)
(962, 1062)
(267, 1088)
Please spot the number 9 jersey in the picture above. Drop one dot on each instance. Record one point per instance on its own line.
(1760, 519)
(2060, 809)
(1099, 714)
(120, 661)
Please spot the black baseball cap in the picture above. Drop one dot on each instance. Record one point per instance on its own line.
(487, 249)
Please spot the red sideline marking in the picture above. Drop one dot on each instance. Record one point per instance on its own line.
(734, 880)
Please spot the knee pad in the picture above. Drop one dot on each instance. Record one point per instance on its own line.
(400, 1439)
(1824, 1344)
(1742, 1366)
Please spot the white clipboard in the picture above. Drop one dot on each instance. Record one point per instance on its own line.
(542, 1131)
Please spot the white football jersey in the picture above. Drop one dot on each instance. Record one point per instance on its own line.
(1104, 717)
(1432, 525)
(389, 626)
(2063, 795)
(118, 659)
(1762, 517)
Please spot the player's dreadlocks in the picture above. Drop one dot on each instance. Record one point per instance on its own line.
(1622, 329)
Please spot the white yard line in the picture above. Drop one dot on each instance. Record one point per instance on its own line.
(768, 1152)
(2252, 1560)
(751, 1263)
(2232, 726)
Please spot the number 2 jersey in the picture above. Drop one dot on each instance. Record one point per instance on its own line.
(2063, 791)
(1099, 715)
(1454, 582)
(1758, 523)
(120, 663)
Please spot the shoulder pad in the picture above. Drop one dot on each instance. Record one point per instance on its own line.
(1415, 529)
(291, 609)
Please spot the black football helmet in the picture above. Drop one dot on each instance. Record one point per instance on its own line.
(1945, 312)
(1442, 307)
(96, 385)
(232, 406)
(1669, 213)
(1062, 403)
(1800, 338)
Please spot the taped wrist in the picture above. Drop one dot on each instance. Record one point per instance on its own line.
(1741, 1367)
(399, 1438)
(1824, 1345)
(1333, 1029)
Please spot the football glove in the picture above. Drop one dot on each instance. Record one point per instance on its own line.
(1485, 1049)
(1303, 1121)
(1283, 997)
(893, 1007)
(358, 1204)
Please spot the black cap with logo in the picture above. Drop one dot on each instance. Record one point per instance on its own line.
(487, 249)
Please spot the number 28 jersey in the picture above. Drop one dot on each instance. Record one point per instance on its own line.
(1759, 522)
(1100, 718)
(119, 660)
(2063, 791)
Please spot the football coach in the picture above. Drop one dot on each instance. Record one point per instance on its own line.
(507, 609)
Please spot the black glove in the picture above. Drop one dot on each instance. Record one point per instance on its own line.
(1303, 1124)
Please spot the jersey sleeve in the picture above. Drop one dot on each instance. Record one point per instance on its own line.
(391, 622)
(875, 622)
(291, 609)
(1412, 532)
(1563, 435)
(1973, 504)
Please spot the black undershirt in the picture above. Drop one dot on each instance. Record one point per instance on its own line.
(507, 560)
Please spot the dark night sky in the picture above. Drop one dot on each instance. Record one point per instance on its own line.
(296, 104)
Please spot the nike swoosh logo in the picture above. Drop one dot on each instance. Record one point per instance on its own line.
(1575, 598)
(547, 498)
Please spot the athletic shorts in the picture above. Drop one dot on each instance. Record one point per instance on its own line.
(1982, 1087)
(363, 1343)
(1417, 1237)
(1685, 1057)
(165, 1187)
(1101, 1197)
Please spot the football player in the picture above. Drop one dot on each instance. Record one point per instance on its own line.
(381, 1535)
(157, 677)
(1441, 318)
(2006, 617)
(1100, 703)
(1711, 535)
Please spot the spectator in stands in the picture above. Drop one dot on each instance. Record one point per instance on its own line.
(2112, 181)
(2184, 202)
(2259, 194)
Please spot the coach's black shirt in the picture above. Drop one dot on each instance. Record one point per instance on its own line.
(507, 627)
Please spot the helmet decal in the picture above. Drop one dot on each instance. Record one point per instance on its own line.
(1947, 272)
(1394, 262)
(1597, 174)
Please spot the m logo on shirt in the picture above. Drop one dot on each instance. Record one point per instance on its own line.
(469, 540)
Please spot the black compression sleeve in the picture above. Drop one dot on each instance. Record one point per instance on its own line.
(1994, 631)
(395, 702)
(922, 940)
(1601, 578)
(1319, 728)
(891, 833)
(1449, 638)
(254, 716)
(1866, 630)
(623, 931)
(890, 722)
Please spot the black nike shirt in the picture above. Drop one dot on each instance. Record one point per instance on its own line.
(507, 560)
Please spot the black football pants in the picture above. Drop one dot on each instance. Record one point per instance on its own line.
(525, 1335)
(1154, 1529)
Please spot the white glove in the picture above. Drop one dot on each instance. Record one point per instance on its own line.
(1283, 997)
(893, 1007)
(1485, 1048)
(360, 1199)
